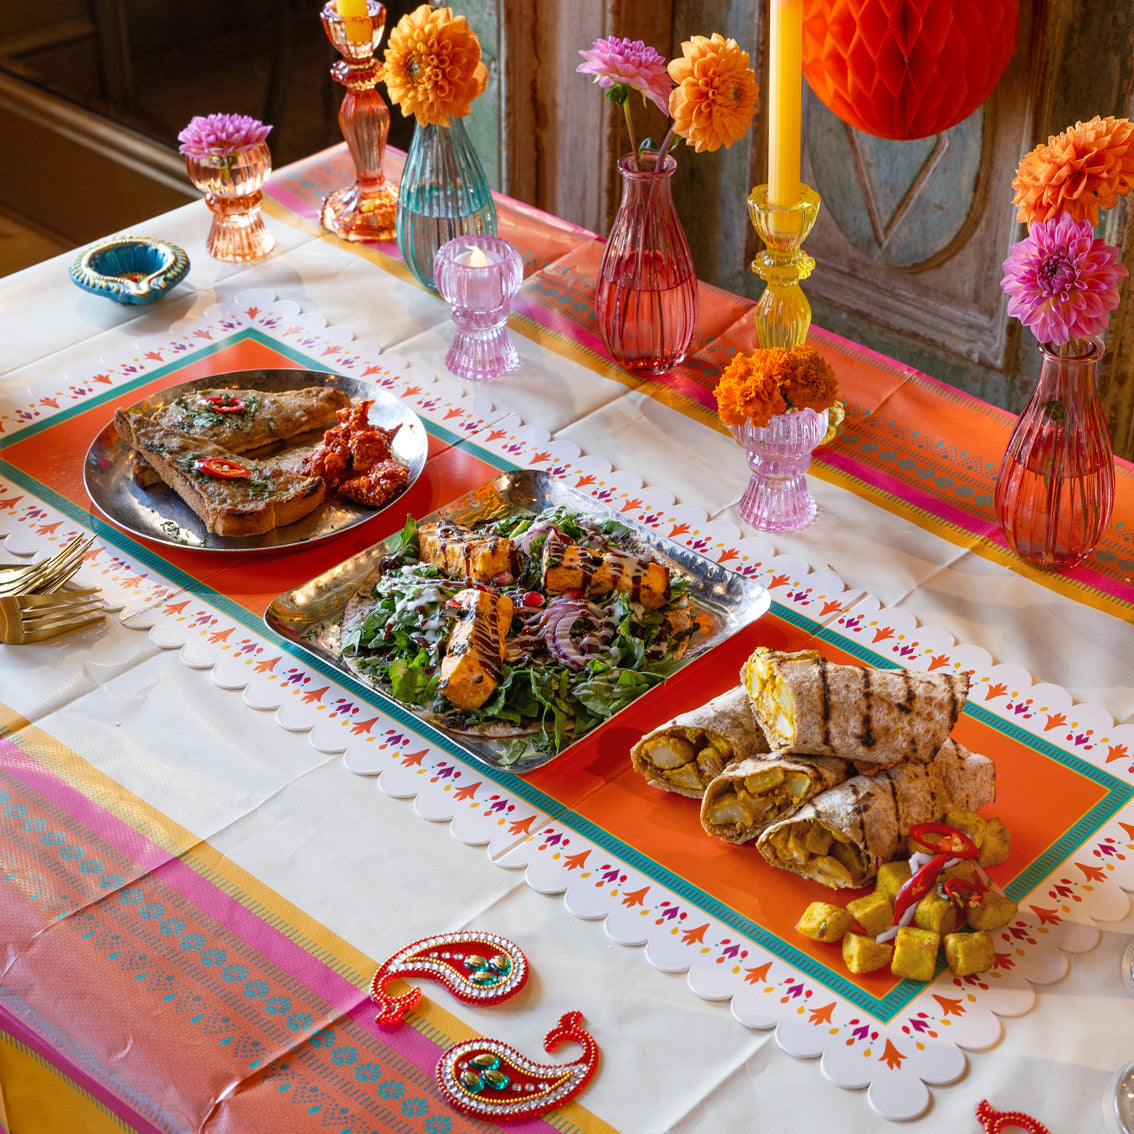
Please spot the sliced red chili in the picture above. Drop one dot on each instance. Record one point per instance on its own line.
(940, 838)
(222, 467)
(917, 886)
(225, 403)
(964, 893)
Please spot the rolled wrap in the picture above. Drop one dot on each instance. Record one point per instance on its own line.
(876, 716)
(843, 835)
(685, 754)
(750, 794)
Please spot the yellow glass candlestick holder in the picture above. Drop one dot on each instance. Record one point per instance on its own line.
(783, 314)
(366, 210)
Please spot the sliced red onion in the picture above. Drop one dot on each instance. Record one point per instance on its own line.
(557, 630)
(887, 935)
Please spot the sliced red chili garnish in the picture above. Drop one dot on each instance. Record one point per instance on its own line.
(962, 892)
(222, 467)
(940, 838)
(225, 403)
(917, 886)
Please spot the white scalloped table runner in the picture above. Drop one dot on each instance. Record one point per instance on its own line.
(897, 1045)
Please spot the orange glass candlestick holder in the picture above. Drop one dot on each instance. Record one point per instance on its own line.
(783, 315)
(366, 210)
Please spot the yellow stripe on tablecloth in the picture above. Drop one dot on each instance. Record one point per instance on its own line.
(354, 966)
(37, 1098)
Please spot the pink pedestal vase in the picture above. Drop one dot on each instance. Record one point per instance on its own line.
(777, 498)
(646, 300)
(1055, 491)
(231, 184)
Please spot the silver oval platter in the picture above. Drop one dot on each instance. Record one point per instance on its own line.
(159, 514)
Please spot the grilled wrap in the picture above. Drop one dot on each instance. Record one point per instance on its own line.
(844, 834)
(750, 794)
(875, 716)
(685, 754)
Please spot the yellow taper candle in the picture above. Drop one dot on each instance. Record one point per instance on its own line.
(785, 78)
(351, 10)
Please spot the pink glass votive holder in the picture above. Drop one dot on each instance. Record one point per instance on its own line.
(478, 277)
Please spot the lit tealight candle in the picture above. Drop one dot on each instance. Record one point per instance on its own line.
(475, 258)
(355, 15)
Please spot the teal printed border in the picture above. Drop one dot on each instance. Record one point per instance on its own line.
(883, 1009)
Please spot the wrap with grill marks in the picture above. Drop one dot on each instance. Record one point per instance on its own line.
(685, 754)
(750, 794)
(844, 834)
(873, 716)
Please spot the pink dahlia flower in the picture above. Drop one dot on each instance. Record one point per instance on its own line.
(1060, 281)
(631, 63)
(221, 134)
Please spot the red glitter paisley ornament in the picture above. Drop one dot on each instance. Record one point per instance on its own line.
(484, 1078)
(478, 968)
(995, 1121)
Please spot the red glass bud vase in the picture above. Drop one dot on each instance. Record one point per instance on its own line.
(231, 184)
(646, 301)
(1055, 490)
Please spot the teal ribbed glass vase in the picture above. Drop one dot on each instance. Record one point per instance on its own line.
(444, 194)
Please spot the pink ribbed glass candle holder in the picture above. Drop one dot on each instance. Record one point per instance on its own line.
(478, 276)
(777, 498)
(231, 184)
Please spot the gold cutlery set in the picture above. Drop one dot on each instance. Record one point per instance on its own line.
(34, 603)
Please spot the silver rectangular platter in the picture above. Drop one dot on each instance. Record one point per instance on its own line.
(309, 615)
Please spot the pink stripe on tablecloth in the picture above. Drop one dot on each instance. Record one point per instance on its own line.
(22, 1033)
(340, 993)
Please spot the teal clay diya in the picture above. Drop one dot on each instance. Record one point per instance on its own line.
(131, 269)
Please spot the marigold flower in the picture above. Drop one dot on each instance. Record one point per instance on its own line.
(1060, 281)
(628, 62)
(1087, 167)
(221, 134)
(754, 388)
(715, 98)
(432, 66)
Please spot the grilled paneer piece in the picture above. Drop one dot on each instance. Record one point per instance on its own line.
(568, 566)
(267, 497)
(239, 420)
(462, 554)
(474, 654)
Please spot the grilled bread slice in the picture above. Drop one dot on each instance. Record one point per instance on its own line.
(239, 420)
(268, 497)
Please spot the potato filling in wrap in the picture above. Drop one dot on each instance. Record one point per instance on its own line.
(877, 716)
(841, 836)
(685, 754)
(753, 793)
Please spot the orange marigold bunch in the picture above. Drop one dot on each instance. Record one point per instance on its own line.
(1084, 169)
(432, 66)
(756, 387)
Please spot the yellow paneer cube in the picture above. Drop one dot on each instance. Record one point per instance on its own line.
(993, 911)
(864, 954)
(471, 668)
(874, 912)
(968, 953)
(937, 913)
(995, 843)
(915, 953)
(822, 921)
(892, 876)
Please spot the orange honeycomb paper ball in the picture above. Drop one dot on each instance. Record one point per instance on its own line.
(904, 69)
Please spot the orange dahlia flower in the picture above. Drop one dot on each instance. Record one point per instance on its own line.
(432, 66)
(1084, 169)
(715, 97)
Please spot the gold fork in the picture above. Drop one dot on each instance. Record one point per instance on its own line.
(47, 575)
(32, 618)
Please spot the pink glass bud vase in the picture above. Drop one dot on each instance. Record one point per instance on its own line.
(231, 184)
(777, 498)
(646, 299)
(1055, 491)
